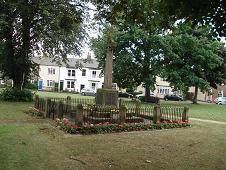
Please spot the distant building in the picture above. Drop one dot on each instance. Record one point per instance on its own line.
(162, 88)
(73, 76)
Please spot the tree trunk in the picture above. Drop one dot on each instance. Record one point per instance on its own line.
(147, 90)
(196, 95)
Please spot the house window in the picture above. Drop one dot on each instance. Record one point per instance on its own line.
(50, 83)
(93, 86)
(70, 84)
(51, 70)
(114, 86)
(163, 90)
(71, 73)
(94, 74)
(83, 72)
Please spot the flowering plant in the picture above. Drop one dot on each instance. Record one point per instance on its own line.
(106, 127)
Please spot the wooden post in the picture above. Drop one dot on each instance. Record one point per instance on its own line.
(68, 107)
(122, 115)
(47, 107)
(59, 110)
(185, 114)
(36, 102)
(120, 102)
(137, 109)
(79, 115)
(157, 114)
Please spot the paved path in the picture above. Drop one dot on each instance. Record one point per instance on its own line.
(208, 121)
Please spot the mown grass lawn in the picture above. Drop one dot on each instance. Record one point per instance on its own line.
(61, 95)
(36, 144)
(201, 110)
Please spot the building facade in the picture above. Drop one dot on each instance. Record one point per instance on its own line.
(73, 76)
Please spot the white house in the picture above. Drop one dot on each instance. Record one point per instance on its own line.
(162, 88)
(73, 76)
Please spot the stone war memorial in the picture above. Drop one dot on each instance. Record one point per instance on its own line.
(108, 96)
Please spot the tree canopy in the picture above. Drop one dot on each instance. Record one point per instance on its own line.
(46, 27)
(193, 58)
(208, 12)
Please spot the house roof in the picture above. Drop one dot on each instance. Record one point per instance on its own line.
(71, 63)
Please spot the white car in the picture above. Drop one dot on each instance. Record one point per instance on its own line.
(220, 100)
(88, 92)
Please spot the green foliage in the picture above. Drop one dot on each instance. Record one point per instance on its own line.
(135, 54)
(32, 86)
(197, 11)
(193, 58)
(13, 94)
(52, 28)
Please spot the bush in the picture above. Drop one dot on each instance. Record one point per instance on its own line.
(31, 86)
(13, 94)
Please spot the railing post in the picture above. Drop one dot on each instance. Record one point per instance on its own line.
(79, 115)
(120, 102)
(122, 114)
(68, 106)
(47, 107)
(185, 114)
(157, 114)
(59, 110)
(36, 102)
(137, 109)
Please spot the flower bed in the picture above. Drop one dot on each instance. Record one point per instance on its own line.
(100, 128)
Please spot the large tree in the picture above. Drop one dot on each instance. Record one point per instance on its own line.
(209, 12)
(193, 58)
(46, 27)
(138, 24)
(134, 57)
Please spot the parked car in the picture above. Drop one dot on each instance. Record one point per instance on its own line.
(125, 94)
(152, 98)
(173, 97)
(87, 92)
(220, 100)
(142, 95)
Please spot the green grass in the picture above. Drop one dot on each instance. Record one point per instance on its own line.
(14, 110)
(41, 146)
(61, 95)
(201, 110)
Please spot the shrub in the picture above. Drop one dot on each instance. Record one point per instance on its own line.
(13, 94)
(32, 86)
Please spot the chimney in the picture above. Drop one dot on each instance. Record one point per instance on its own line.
(88, 57)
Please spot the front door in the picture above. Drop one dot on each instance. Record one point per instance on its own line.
(61, 85)
(40, 84)
(82, 86)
